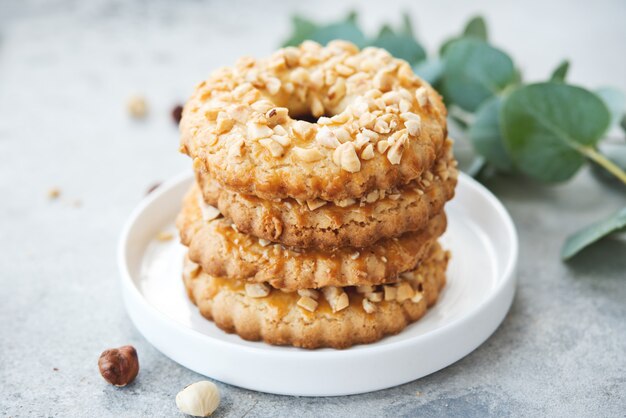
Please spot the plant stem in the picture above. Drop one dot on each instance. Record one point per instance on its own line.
(601, 160)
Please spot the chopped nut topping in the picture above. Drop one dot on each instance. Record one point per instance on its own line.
(308, 155)
(368, 152)
(262, 106)
(342, 134)
(372, 196)
(336, 297)
(257, 290)
(315, 204)
(405, 291)
(235, 149)
(208, 212)
(368, 306)
(344, 202)
(417, 297)
(390, 293)
(303, 129)
(395, 152)
(310, 293)
(300, 76)
(355, 255)
(272, 84)
(257, 130)
(307, 303)
(413, 127)
(365, 288)
(383, 81)
(54, 193)
(381, 146)
(283, 140)
(404, 105)
(337, 91)
(264, 242)
(345, 156)
(326, 138)
(273, 147)
(317, 108)
(277, 116)
(137, 107)
(224, 122)
(374, 296)
(422, 96)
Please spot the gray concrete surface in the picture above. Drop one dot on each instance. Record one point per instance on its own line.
(66, 69)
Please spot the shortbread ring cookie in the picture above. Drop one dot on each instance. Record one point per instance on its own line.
(377, 125)
(351, 222)
(332, 317)
(221, 250)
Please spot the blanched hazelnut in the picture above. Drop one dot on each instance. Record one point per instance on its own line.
(199, 399)
(119, 366)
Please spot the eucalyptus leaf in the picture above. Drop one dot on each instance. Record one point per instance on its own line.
(430, 70)
(615, 152)
(400, 46)
(407, 25)
(347, 30)
(615, 101)
(476, 28)
(548, 126)
(475, 71)
(560, 72)
(593, 233)
(486, 135)
(302, 30)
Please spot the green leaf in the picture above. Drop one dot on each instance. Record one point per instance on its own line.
(593, 233)
(407, 26)
(615, 101)
(623, 123)
(430, 70)
(302, 30)
(475, 71)
(347, 30)
(400, 46)
(615, 152)
(548, 127)
(486, 135)
(476, 28)
(560, 72)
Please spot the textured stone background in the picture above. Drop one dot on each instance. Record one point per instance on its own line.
(66, 70)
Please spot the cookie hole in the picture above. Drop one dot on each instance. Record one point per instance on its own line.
(308, 117)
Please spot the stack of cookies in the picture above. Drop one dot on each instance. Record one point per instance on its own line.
(321, 178)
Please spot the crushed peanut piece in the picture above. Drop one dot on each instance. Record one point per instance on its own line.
(308, 155)
(374, 296)
(368, 306)
(54, 193)
(405, 291)
(310, 293)
(390, 293)
(307, 303)
(137, 107)
(257, 290)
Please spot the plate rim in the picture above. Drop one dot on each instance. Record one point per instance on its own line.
(504, 279)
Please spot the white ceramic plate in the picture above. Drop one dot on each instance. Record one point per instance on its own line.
(480, 288)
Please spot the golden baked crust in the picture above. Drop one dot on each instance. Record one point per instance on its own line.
(241, 125)
(278, 319)
(381, 214)
(221, 250)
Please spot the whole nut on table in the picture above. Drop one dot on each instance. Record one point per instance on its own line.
(119, 366)
(199, 399)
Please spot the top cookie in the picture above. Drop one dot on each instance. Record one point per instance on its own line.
(377, 125)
